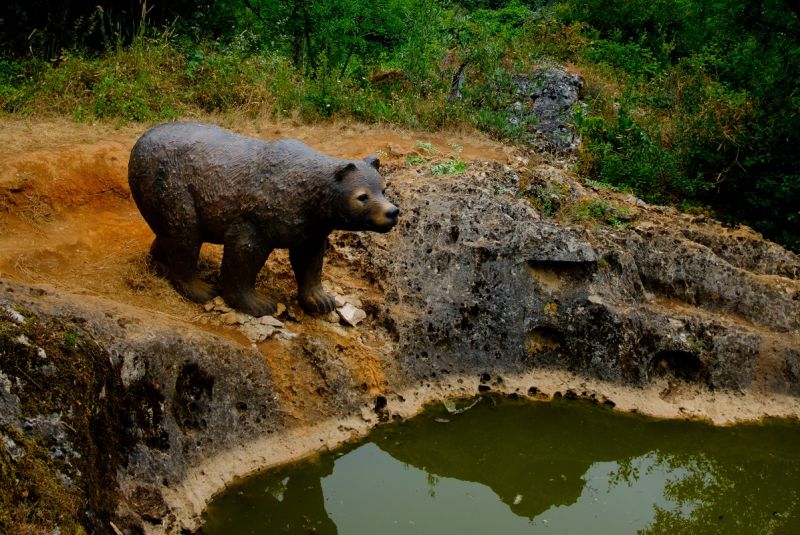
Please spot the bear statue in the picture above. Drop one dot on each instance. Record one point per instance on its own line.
(196, 183)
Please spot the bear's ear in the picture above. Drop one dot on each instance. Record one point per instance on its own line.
(342, 171)
(374, 162)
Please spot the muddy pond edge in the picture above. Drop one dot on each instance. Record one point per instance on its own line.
(189, 499)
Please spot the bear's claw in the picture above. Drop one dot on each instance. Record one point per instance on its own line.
(196, 290)
(317, 301)
(252, 303)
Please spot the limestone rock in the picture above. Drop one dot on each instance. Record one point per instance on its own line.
(494, 288)
(351, 315)
(544, 105)
(257, 332)
(271, 321)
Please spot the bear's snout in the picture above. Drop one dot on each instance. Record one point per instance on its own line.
(388, 219)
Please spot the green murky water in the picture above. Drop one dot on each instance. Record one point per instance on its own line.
(509, 467)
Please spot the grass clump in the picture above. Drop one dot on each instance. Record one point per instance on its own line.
(592, 210)
(450, 167)
(416, 159)
(426, 147)
(548, 196)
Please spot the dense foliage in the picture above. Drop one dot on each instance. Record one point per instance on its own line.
(691, 102)
(710, 112)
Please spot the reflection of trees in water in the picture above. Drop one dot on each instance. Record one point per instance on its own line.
(288, 500)
(744, 479)
(304, 493)
(540, 453)
(720, 489)
(715, 475)
(741, 495)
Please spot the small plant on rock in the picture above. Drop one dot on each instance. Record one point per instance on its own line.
(600, 211)
(450, 167)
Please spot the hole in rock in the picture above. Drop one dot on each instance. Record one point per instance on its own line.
(680, 364)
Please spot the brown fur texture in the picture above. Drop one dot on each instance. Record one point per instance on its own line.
(196, 183)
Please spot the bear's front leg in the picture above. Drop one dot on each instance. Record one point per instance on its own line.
(243, 257)
(306, 262)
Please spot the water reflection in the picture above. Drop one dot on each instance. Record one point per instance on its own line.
(518, 468)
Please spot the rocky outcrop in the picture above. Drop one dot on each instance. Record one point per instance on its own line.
(544, 104)
(497, 287)
(158, 399)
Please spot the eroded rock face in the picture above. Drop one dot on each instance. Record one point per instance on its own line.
(498, 288)
(131, 405)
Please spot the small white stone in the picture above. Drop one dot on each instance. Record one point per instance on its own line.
(258, 333)
(340, 302)
(40, 352)
(351, 315)
(272, 321)
(209, 306)
(352, 299)
(16, 317)
(22, 339)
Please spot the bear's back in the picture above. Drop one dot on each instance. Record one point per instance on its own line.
(225, 176)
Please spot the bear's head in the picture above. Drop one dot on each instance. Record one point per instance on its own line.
(362, 205)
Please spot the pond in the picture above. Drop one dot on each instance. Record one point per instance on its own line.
(513, 466)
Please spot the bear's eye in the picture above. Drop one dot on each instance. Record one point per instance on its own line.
(363, 197)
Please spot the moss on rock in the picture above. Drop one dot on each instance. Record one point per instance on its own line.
(65, 436)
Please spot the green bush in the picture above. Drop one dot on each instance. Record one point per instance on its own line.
(711, 114)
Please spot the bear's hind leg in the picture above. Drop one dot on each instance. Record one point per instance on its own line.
(181, 256)
(307, 265)
(242, 258)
